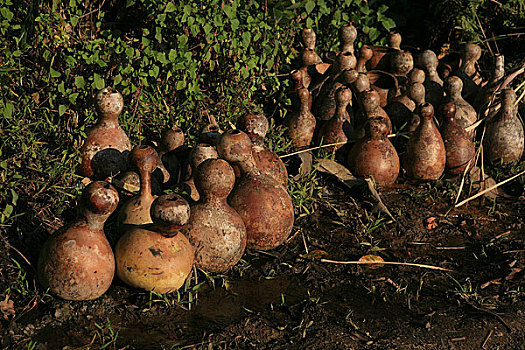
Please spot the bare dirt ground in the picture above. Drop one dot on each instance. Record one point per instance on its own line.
(287, 298)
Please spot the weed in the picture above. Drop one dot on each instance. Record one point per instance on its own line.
(21, 283)
(304, 191)
(106, 335)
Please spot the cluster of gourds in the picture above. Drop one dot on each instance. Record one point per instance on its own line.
(354, 101)
(238, 186)
(161, 238)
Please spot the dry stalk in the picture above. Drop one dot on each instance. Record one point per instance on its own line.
(385, 263)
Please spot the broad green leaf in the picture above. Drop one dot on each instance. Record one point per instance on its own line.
(61, 110)
(80, 82)
(388, 23)
(310, 4)
(98, 81)
(9, 109)
(170, 7)
(54, 73)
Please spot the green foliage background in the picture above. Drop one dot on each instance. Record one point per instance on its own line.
(174, 62)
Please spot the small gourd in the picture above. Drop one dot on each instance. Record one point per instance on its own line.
(433, 83)
(374, 155)
(365, 54)
(465, 113)
(458, 143)
(157, 257)
(136, 211)
(77, 263)
(106, 145)
(425, 155)
(371, 108)
(468, 71)
(504, 135)
(308, 39)
(198, 154)
(301, 123)
(171, 140)
(338, 129)
(215, 230)
(266, 160)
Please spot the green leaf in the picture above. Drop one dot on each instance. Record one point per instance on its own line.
(80, 82)
(373, 34)
(54, 73)
(310, 4)
(172, 55)
(388, 23)
(170, 7)
(130, 52)
(14, 196)
(6, 13)
(98, 81)
(61, 110)
(74, 21)
(9, 109)
(73, 98)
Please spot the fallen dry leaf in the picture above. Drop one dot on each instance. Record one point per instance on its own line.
(314, 254)
(372, 258)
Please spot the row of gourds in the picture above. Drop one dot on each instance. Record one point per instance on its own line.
(237, 185)
(361, 98)
(161, 237)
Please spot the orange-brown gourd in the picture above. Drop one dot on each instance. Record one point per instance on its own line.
(370, 102)
(267, 161)
(264, 205)
(458, 144)
(136, 211)
(338, 129)
(381, 58)
(374, 155)
(198, 154)
(465, 113)
(308, 39)
(171, 140)
(425, 155)
(301, 123)
(504, 135)
(347, 37)
(157, 257)
(77, 262)
(106, 145)
(215, 230)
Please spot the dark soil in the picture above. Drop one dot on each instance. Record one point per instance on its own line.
(287, 298)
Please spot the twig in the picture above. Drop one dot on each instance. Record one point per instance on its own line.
(467, 169)
(385, 263)
(489, 189)
(337, 144)
(483, 32)
(487, 339)
(310, 149)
